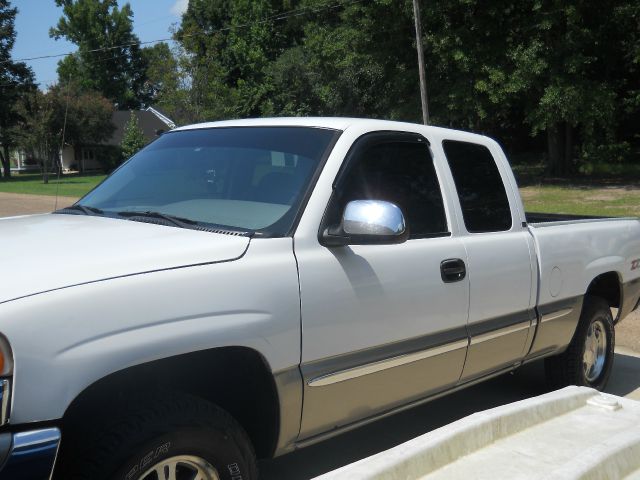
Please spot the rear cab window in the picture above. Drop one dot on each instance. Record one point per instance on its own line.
(481, 191)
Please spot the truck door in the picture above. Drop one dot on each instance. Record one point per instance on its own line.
(499, 250)
(380, 326)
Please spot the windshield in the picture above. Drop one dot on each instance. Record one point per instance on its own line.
(249, 178)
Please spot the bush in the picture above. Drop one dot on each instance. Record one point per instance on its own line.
(133, 139)
(606, 154)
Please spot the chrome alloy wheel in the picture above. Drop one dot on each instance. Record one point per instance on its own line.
(182, 467)
(595, 351)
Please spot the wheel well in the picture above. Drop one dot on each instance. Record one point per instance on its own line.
(606, 286)
(236, 379)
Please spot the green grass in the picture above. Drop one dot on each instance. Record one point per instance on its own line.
(614, 201)
(71, 185)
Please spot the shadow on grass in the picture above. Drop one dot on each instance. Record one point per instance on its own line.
(583, 183)
(533, 176)
(69, 178)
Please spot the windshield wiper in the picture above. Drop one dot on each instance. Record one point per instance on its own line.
(177, 221)
(77, 209)
(185, 222)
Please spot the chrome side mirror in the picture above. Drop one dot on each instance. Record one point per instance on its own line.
(368, 222)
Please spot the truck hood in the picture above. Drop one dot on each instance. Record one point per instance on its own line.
(46, 252)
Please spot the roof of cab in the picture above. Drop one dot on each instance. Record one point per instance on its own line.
(318, 122)
(336, 123)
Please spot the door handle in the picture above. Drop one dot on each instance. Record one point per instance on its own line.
(452, 270)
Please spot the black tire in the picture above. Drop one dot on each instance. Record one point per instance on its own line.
(162, 431)
(568, 368)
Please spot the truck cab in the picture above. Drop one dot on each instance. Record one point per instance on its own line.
(241, 289)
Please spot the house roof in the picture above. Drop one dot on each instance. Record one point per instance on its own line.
(149, 120)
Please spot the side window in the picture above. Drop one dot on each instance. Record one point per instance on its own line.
(484, 202)
(398, 172)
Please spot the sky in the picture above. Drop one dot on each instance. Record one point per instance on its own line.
(152, 20)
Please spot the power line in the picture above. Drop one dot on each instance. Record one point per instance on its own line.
(276, 17)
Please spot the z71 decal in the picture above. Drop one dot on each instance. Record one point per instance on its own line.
(635, 264)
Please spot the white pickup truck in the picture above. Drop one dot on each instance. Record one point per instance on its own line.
(246, 288)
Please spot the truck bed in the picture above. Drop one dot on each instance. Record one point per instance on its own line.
(575, 249)
(538, 218)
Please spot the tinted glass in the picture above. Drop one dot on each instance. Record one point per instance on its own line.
(484, 202)
(402, 173)
(252, 178)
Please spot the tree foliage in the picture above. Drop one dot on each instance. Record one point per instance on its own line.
(133, 139)
(229, 50)
(169, 84)
(109, 58)
(16, 80)
(81, 117)
(532, 72)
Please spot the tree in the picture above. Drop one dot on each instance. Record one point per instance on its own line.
(109, 59)
(16, 80)
(565, 73)
(161, 72)
(84, 117)
(560, 69)
(168, 82)
(133, 138)
(230, 46)
(356, 60)
(324, 59)
(37, 131)
(558, 62)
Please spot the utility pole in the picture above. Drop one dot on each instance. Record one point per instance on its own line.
(423, 80)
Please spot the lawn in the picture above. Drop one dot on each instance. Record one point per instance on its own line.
(602, 190)
(71, 185)
(600, 200)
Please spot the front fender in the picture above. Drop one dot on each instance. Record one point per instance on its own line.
(65, 340)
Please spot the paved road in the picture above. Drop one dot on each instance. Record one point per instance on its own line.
(384, 434)
(20, 204)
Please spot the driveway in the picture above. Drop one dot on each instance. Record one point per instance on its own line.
(389, 432)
